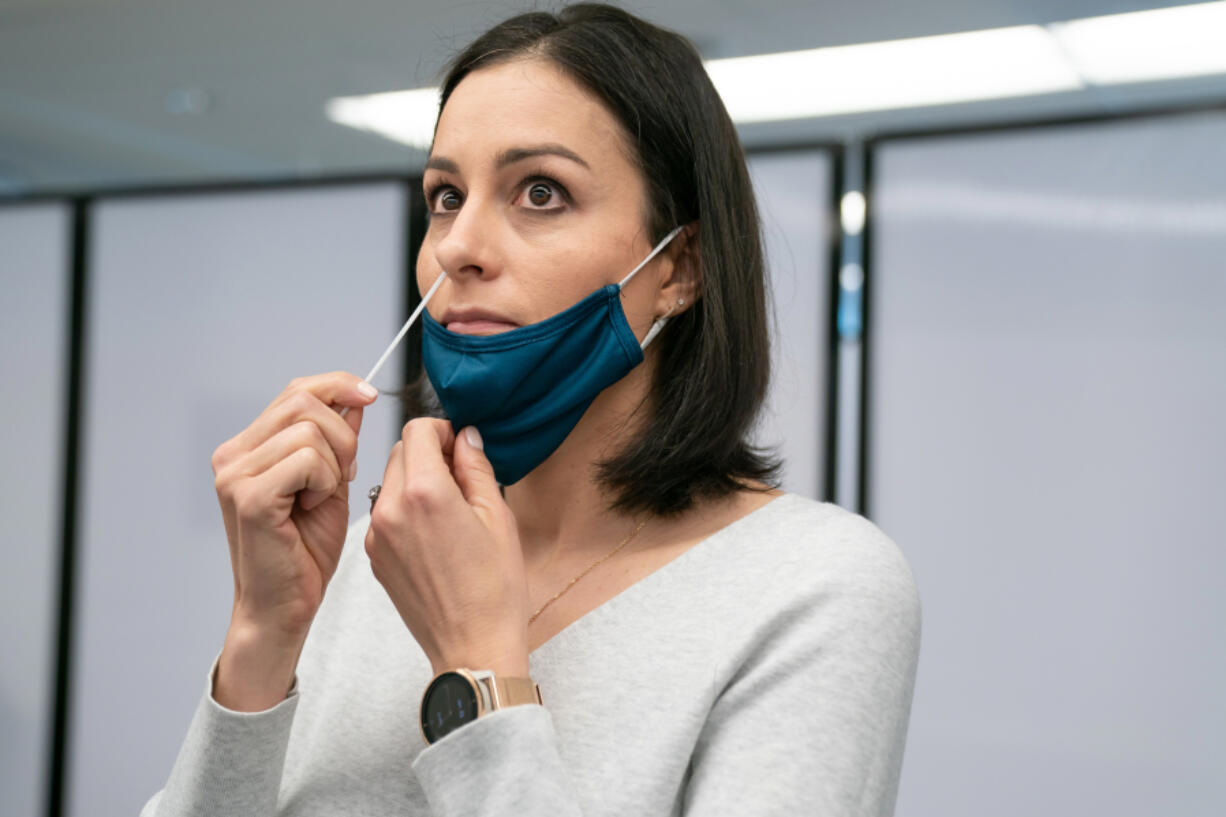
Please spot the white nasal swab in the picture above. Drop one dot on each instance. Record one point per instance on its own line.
(404, 330)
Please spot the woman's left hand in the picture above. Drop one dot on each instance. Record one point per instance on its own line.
(445, 547)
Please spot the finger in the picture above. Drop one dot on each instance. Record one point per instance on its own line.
(331, 389)
(270, 495)
(392, 481)
(284, 444)
(297, 406)
(428, 444)
(443, 435)
(473, 472)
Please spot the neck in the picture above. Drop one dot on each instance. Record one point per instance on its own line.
(560, 506)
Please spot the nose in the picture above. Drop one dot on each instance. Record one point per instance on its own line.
(468, 245)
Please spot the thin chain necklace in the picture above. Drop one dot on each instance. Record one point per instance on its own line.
(592, 567)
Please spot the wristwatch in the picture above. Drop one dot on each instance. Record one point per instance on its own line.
(460, 696)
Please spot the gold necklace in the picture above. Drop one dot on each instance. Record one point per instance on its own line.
(590, 568)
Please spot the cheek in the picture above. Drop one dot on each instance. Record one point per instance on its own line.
(566, 279)
(576, 262)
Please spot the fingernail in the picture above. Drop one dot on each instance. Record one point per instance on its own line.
(353, 470)
(474, 438)
(367, 390)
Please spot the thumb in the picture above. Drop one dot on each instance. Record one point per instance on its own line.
(473, 472)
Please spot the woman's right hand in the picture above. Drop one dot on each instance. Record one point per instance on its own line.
(283, 485)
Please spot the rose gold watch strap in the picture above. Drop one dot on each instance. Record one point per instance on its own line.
(515, 691)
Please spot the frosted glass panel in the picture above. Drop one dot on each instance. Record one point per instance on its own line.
(34, 310)
(1048, 382)
(794, 192)
(202, 309)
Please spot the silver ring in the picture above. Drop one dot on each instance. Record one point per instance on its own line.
(373, 494)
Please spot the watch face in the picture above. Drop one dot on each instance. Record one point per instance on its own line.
(449, 703)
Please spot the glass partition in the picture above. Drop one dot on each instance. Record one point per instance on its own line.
(1047, 376)
(795, 194)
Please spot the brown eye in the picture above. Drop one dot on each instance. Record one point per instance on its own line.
(449, 200)
(540, 194)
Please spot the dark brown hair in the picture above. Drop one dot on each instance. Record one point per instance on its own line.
(713, 360)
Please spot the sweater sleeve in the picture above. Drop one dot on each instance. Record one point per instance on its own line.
(506, 763)
(813, 716)
(230, 763)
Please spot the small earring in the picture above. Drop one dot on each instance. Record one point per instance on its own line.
(681, 302)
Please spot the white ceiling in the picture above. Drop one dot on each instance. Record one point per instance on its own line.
(84, 83)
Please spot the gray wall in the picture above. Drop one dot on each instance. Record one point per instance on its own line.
(1048, 382)
(202, 308)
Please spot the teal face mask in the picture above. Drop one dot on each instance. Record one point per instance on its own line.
(525, 389)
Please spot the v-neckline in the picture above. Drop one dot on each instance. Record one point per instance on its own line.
(671, 566)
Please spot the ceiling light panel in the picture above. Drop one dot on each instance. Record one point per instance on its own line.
(948, 68)
(403, 116)
(1143, 46)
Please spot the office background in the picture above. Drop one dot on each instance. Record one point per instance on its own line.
(1013, 359)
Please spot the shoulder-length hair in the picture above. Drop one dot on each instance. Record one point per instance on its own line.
(713, 360)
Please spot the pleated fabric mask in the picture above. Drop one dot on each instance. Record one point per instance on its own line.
(525, 389)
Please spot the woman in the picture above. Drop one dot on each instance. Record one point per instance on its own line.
(701, 643)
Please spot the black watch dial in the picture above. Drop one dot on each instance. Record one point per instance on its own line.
(449, 703)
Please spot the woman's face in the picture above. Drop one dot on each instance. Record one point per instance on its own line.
(534, 203)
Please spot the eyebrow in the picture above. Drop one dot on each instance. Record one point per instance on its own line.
(510, 156)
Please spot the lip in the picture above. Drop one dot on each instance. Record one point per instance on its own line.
(476, 321)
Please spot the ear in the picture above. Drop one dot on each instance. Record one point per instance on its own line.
(681, 283)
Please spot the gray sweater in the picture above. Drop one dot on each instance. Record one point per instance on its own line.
(768, 670)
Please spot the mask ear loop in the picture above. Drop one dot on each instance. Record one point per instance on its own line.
(663, 243)
(658, 325)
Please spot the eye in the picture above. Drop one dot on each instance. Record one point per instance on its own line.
(444, 199)
(542, 193)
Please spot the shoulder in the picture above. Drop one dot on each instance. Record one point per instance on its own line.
(816, 555)
(821, 659)
(796, 530)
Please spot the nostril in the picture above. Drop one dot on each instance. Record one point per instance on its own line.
(474, 270)
(466, 250)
